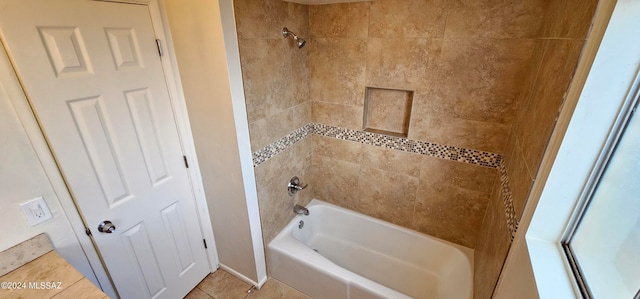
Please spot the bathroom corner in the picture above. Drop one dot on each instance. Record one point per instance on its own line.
(476, 87)
(275, 74)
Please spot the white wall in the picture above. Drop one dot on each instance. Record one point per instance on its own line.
(22, 178)
(218, 121)
(517, 279)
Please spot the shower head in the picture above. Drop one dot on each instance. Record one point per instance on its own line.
(300, 42)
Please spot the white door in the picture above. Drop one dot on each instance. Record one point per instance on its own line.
(95, 81)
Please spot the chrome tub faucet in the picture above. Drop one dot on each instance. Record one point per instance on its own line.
(298, 209)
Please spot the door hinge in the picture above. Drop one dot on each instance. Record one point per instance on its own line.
(87, 231)
(205, 243)
(186, 163)
(159, 44)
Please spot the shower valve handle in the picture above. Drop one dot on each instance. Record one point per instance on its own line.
(294, 186)
(298, 187)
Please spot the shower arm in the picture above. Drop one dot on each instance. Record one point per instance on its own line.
(286, 32)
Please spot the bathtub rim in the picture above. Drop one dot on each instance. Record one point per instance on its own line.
(285, 237)
(466, 251)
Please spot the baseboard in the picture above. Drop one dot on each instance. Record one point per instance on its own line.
(242, 277)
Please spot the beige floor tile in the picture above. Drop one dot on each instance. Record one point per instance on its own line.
(222, 285)
(197, 294)
(274, 289)
(82, 289)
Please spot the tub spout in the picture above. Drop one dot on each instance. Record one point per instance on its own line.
(298, 209)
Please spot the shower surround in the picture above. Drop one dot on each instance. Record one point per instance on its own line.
(557, 49)
(466, 82)
(472, 67)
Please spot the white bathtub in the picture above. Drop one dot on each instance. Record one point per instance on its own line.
(339, 253)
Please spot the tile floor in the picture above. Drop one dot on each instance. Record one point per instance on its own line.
(222, 285)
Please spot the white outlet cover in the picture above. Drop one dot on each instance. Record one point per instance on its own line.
(36, 211)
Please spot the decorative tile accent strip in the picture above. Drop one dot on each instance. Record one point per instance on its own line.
(464, 155)
(262, 155)
(507, 199)
(470, 156)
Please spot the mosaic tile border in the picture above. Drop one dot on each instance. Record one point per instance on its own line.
(507, 199)
(469, 156)
(262, 155)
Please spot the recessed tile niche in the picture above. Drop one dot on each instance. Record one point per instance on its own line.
(387, 111)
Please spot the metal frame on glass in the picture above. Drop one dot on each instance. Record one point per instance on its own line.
(629, 108)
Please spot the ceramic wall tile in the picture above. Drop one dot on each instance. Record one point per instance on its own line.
(475, 68)
(530, 80)
(256, 19)
(449, 212)
(537, 120)
(481, 79)
(348, 151)
(520, 180)
(345, 116)
(388, 110)
(554, 60)
(392, 194)
(302, 169)
(402, 63)
(392, 160)
(275, 76)
(494, 19)
(470, 134)
(337, 182)
(568, 19)
(493, 245)
(337, 70)
(301, 114)
(452, 198)
(407, 18)
(462, 175)
(271, 180)
(269, 129)
(286, 84)
(339, 20)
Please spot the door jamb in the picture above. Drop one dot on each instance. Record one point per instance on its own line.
(172, 77)
(178, 103)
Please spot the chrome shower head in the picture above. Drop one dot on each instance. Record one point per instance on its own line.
(300, 42)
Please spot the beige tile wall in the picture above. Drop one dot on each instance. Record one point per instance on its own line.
(442, 198)
(276, 206)
(466, 80)
(466, 70)
(388, 110)
(276, 76)
(556, 54)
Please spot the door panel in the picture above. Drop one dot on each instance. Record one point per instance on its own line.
(95, 81)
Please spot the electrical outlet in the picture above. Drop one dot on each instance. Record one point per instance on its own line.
(36, 211)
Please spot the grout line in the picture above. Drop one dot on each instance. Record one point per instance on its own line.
(249, 292)
(281, 111)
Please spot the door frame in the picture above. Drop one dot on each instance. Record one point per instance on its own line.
(36, 136)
